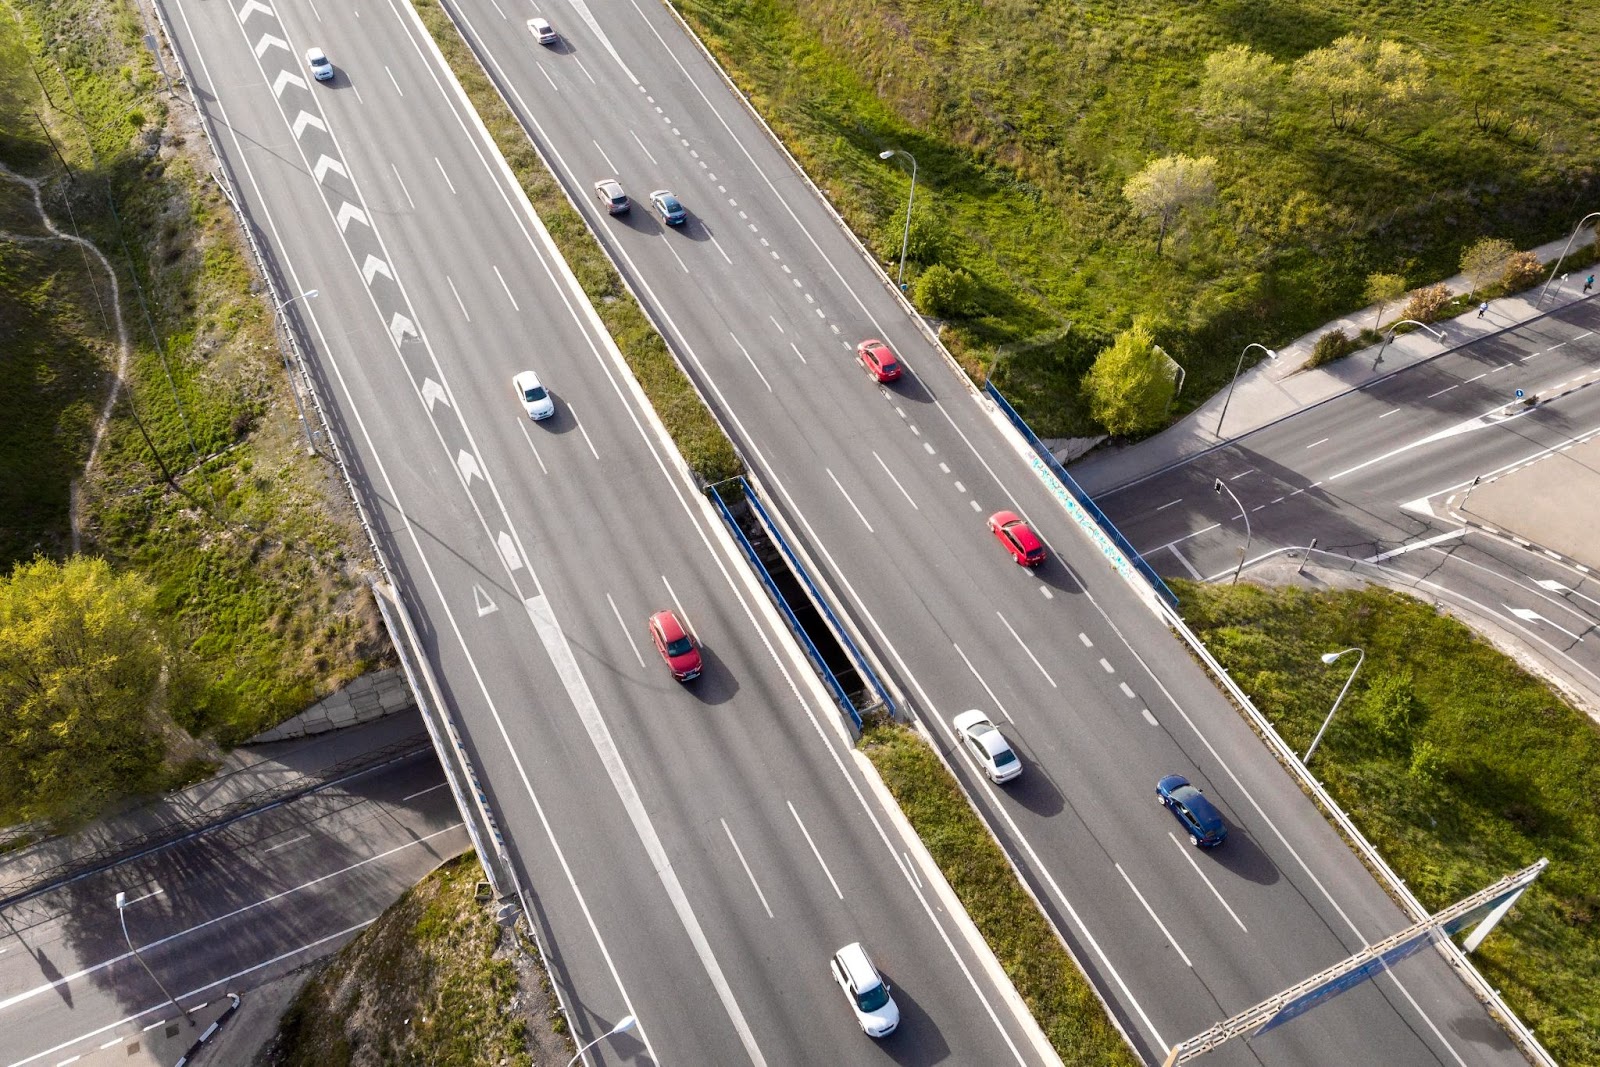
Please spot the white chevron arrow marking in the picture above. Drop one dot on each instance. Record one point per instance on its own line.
(306, 118)
(373, 266)
(467, 464)
(252, 6)
(325, 164)
(269, 41)
(348, 212)
(433, 392)
(399, 326)
(285, 79)
(508, 550)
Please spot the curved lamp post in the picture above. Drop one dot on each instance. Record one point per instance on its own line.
(1575, 231)
(890, 153)
(122, 904)
(1219, 486)
(1235, 381)
(1388, 337)
(627, 1022)
(1329, 658)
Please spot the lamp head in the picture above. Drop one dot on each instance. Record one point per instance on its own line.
(1271, 353)
(311, 293)
(1329, 657)
(1216, 486)
(887, 153)
(624, 1024)
(122, 901)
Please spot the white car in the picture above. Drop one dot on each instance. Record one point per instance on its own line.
(987, 745)
(542, 31)
(317, 60)
(609, 192)
(865, 989)
(535, 398)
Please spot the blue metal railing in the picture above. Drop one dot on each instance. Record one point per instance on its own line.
(1083, 499)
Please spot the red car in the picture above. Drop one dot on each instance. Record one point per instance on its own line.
(1018, 537)
(677, 648)
(875, 357)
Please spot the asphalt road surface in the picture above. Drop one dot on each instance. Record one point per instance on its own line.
(694, 853)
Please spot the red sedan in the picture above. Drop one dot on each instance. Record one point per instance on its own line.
(875, 357)
(1018, 538)
(677, 648)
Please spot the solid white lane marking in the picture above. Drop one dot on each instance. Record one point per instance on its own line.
(1190, 567)
(983, 683)
(296, 840)
(737, 851)
(1154, 917)
(751, 361)
(642, 148)
(420, 792)
(913, 869)
(895, 480)
(1187, 854)
(814, 851)
(1029, 651)
(627, 634)
(506, 287)
(852, 503)
(445, 174)
(464, 313)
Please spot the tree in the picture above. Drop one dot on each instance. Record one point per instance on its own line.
(1130, 387)
(1169, 185)
(1485, 260)
(944, 291)
(81, 663)
(1240, 86)
(1363, 80)
(1383, 290)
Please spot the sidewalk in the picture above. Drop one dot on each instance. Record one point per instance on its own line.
(1275, 389)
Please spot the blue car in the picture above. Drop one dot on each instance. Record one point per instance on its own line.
(1199, 818)
(668, 207)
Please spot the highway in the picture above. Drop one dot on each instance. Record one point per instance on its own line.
(694, 853)
(1379, 475)
(764, 297)
(222, 912)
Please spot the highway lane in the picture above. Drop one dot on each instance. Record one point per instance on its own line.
(222, 912)
(764, 298)
(531, 555)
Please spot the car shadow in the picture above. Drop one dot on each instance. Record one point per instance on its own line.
(638, 218)
(1056, 575)
(917, 1039)
(561, 422)
(1034, 789)
(1242, 856)
(716, 684)
(693, 229)
(907, 387)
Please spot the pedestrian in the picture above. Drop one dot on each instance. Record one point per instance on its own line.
(1588, 283)
(1482, 308)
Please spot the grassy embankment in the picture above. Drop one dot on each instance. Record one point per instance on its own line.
(256, 557)
(1027, 119)
(432, 981)
(1058, 994)
(700, 440)
(1457, 764)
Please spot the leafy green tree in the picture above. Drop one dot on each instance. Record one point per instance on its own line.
(1383, 290)
(944, 291)
(1363, 80)
(1239, 87)
(1130, 387)
(1485, 260)
(81, 665)
(1169, 185)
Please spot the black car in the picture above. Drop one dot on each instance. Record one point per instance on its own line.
(1199, 817)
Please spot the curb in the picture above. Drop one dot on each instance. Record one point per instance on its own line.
(210, 1031)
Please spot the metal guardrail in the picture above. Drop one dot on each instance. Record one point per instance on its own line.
(1083, 499)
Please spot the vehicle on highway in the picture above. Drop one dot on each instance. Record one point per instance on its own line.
(987, 745)
(676, 646)
(878, 361)
(668, 207)
(536, 399)
(543, 32)
(609, 192)
(1198, 816)
(317, 60)
(1017, 537)
(865, 989)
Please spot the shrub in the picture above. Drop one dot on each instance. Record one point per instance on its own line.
(1486, 260)
(1130, 386)
(943, 291)
(1333, 345)
(1428, 303)
(1427, 763)
(1522, 271)
(1389, 705)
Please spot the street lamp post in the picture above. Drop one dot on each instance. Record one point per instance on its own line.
(905, 240)
(1329, 658)
(625, 1023)
(122, 904)
(1388, 338)
(1575, 231)
(1235, 380)
(1218, 486)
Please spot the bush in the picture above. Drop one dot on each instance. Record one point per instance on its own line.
(1428, 304)
(1130, 387)
(1389, 706)
(1331, 346)
(943, 292)
(1427, 763)
(1522, 271)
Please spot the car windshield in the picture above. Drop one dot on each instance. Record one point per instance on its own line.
(874, 998)
(1004, 757)
(679, 647)
(535, 393)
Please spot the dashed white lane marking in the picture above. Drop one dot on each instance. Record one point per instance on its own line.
(1241, 474)
(295, 840)
(528, 438)
(1187, 855)
(1169, 503)
(912, 868)
(1190, 567)
(961, 488)
(852, 503)
(1085, 639)
(586, 73)
(799, 353)
(737, 851)
(627, 635)
(1106, 664)
(983, 683)
(579, 422)
(421, 792)
(814, 851)
(1127, 690)
(1154, 917)
(1469, 381)
(775, 322)
(1500, 368)
(751, 361)
(403, 188)
(1048, 595)
(642, 148)
(396, 85)
(549, 79)
(1149, 718)
(1391, 411)
(1018, 638)
(1441, 392)
(445, 174)
(895, 480)
(464, 313)
(721, 249)
(507, 288)
(1314, 444)
(975, 506)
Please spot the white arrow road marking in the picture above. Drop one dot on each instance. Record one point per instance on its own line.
(327, 163)
(1477, 422)
(252, 6)
(399, 326)
(304, 119)
(285, 79)
(481, 601)
(1403, 549)
(467, 464)
(1533, 616)
(270, 41)
(508, 549)
(433, 392)
(349, 213)
(1554, 586)
(374, 266)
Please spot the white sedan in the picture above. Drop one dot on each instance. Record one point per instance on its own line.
(535, 398)
(317, 60)
(986, 745)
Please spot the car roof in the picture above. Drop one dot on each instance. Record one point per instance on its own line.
(1024, 535)
(314, 53)
(858, 968)
(1204, 812)
(671, 628)
(526, 376)
(992, 740)
(968, 717)
(611, 186)
(543, 24)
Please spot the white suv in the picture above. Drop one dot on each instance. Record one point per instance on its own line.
(866, 990)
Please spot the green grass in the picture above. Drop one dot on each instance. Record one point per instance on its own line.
(1057, 993)
(422, 985)
(256, 558)
(700, 440)
(1459, 766)
(1027, 118)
